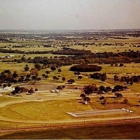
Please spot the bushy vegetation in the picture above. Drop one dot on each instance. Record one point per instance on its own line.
(85, 68)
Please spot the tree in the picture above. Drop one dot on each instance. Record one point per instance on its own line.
(77, 73)
(108, 88)
(86, 100)
(54, 78)
(17, 89)
(116, 78)
(37, 66)
(118, 95)
(9, 85)
(80, 77)
(59, 87)
(103, 101)
(34, 77)
(46, 76)
(121, 65)
(125, 101)
(15, 75)
(85, 68)
(31, 91)
(103, 77)
(59, 70)
(53, 68)
(43, 75)
(102, 88)
(26, 68)
(102, 98)
(33, 71)
(83, 96)
(36, 89)
(71, 81)
(4, 85)
(20, 80)
(87, 91)
(47, 72)
(7, 71)
(63, 79)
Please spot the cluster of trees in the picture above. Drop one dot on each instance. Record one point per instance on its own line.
(7, 76)
(102, 89)
(70, 81)
(5, 40)
(19, 90)
(90, 89)
(101, 76)
(47, 45)
(117, 95)
(119, 88)
(85, 68)
(85, 43)
(116, 64)
(23, 52)
(18, 46)
(5, 85)
(78, 57)
(127, 79)
(85, 98)
(60, 87)
(70, 51)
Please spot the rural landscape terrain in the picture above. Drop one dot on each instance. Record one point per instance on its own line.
(70, 84)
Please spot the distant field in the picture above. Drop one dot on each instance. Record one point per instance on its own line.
(33, 45)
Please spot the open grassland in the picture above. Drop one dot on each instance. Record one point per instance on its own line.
(19, 67)
(130, 69)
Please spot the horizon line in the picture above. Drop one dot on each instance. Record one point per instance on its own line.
(65, 30)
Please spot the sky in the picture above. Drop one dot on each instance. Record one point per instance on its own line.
(69, 14)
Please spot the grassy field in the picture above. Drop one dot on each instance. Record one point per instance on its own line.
(110, 131)
(33, 45)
